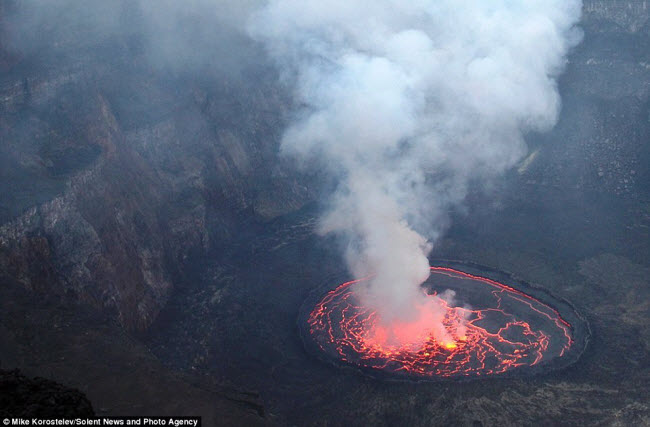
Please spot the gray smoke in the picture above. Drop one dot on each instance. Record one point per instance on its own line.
(408, 102)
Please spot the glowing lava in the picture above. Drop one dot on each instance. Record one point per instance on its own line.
(499, 328)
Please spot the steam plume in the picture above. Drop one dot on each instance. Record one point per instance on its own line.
(408, 102)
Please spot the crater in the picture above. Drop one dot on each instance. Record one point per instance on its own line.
(495, 325)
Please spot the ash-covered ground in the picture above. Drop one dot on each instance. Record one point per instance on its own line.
(155, 251)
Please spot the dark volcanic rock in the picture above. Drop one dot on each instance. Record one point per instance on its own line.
(75, 345)
(38, 397)
(98, 240)
(115, 172)
(600, 141)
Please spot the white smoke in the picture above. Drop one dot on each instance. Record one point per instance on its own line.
(408, 102)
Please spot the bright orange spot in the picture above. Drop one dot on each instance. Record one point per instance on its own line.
(426, 326)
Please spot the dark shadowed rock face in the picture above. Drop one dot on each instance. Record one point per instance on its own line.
(628, 15)
(38, 397)
(82, 348)
(115, 172)
(600, 141)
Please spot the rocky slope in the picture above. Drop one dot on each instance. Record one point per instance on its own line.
(37, 397)
(77, 346)
(115, 172)
(600, 141)
(630, 15)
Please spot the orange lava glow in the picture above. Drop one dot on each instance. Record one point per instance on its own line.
(503, 329)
